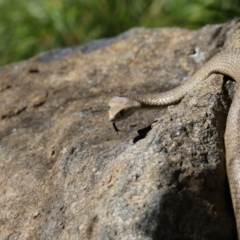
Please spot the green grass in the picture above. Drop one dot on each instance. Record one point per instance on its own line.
(30, 27)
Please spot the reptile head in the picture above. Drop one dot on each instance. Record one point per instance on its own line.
(121, 108)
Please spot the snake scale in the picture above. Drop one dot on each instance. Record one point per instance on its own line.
(227, 63)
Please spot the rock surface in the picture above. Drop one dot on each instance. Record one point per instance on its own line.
(65, 173)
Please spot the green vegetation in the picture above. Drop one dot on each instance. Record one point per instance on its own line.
(30, 27)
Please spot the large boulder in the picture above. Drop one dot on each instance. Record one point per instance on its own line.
(66, 174)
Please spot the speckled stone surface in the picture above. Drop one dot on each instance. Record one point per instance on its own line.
(65, 173)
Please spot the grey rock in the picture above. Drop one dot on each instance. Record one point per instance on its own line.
(65, 173)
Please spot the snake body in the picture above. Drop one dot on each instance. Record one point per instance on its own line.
(227, 63)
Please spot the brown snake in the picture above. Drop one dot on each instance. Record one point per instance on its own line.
(227, 63)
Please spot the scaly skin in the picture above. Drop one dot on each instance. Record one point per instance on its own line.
(226, 63)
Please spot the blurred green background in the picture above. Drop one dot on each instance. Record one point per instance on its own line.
(30, 27)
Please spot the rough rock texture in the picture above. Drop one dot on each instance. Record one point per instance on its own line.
(65, 173)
